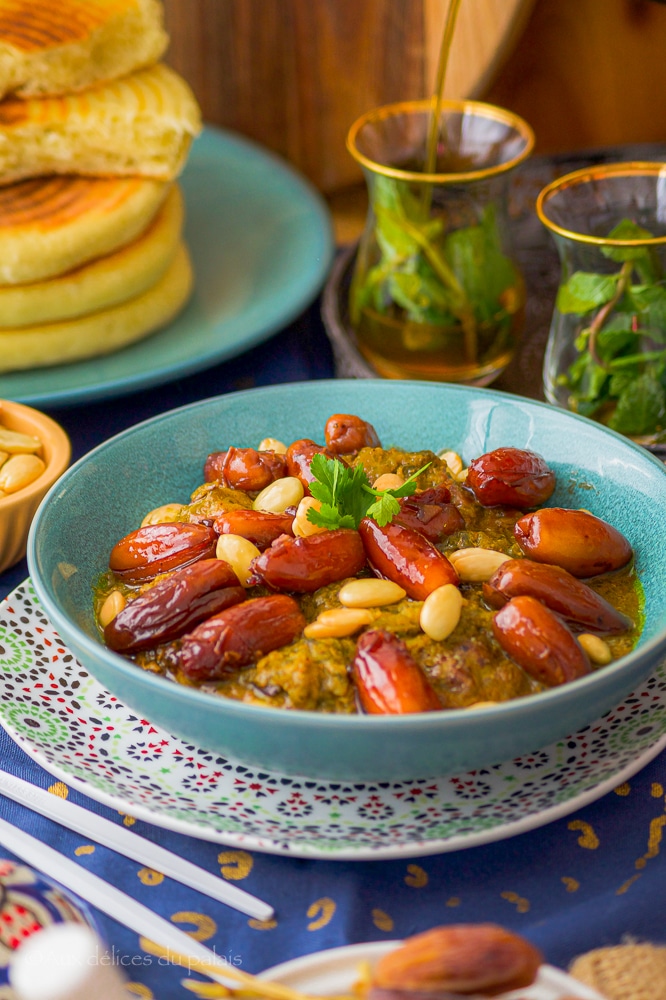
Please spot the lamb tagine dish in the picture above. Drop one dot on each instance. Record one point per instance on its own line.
(351, 577)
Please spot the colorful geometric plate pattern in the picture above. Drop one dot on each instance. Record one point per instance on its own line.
(83, 735)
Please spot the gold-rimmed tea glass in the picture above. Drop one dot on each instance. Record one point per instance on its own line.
(606, 351)
(436, 293)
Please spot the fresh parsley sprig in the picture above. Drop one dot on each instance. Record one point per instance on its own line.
(346, 495)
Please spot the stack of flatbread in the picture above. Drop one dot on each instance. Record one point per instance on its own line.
(94, 131)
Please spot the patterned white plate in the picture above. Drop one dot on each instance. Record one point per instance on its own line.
(334, 972)
(81, 734)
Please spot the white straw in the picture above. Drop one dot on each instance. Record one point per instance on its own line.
(111, 901)
(130, 845)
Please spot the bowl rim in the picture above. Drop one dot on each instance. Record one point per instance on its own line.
(192, 696)
(57, 440)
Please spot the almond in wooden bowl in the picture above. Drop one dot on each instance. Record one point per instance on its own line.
(34, 452)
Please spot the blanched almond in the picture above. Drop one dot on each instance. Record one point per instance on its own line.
(113, 604)
(596, 648)
(272, 444)
(160, 515)
(239, 553)
(338, 622)
(388, 481)
(370, 593)
(475, 565)
(301, 525)
(453, 460)
(19, 471)
(16, 443)
(280, 494)
(441, 612)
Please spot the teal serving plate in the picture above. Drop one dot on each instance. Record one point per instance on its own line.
(107, 493)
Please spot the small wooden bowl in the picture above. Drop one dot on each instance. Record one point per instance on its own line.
(18, 509)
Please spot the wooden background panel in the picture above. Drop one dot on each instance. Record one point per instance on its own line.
(295, 74)
(589, 73)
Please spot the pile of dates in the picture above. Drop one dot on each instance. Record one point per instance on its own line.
(220, 582)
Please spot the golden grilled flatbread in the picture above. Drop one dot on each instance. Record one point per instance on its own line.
(60, 46)
(140, 125)
(102, 332)
(104, 282)
(50, 225)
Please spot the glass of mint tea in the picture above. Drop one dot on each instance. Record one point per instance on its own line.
(436, 293)
(606, 351)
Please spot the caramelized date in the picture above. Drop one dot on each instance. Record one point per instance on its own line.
(221, 646)
(539, 642)
(558, 590)
(160, 548)
(245, 468)
(406, 557)
(305, 564)
(510, 477)
(573, 539)
(463, 959)
(300, 454)
(388, 680)
(213, 466)
(431, 513)
(173, 606)
(346, 433)
(258, 526)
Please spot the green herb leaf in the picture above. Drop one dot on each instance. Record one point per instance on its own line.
(339, 490)
(640, 407)
(346, 496)
(384, 509)
(649, 302)
(484, 271)
(585, 291)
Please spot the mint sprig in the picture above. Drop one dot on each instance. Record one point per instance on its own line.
(619, 372)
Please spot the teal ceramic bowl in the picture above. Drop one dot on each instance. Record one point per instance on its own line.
(107, 493)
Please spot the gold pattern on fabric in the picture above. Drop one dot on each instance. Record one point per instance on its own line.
(208, 991)
(382, 921)
(654, 841)
(205, 927)
(416, 876)
(522, 904)
(60, 789)
(321, 913)
(262, 925)
(152, 948)
(85, 849)
(571, 884)
(623, 789)
(588, 837)
(656, 790)
(150, 877)
(627, 885)
(235, 865)
(139, 990)
(127, 820)
(453, 901)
